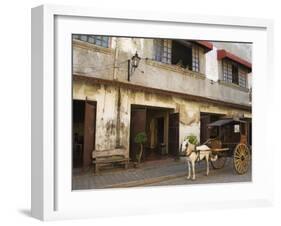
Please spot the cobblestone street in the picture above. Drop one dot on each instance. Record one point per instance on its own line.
(224, 175)
(164, 172)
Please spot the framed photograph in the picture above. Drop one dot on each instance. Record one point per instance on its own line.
(136, 113)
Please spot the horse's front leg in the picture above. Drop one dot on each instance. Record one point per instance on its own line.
(189, 174)
(193, 170)
(207, 165)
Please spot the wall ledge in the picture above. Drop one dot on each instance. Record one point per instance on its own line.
(176, 69)
(234, 86)
(92, 47)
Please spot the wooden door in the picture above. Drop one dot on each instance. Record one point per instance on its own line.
(250, 133)
(173, 142)
(89, 132)
(204, 132)
(138, 124)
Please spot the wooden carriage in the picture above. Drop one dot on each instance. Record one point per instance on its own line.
(229, 138)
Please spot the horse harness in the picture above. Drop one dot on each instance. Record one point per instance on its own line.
(197, 152)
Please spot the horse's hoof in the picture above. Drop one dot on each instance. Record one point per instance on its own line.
(187, 178)
(193, 178)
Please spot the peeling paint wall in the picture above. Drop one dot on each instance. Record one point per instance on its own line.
(106, 97)
(95, 61)
(99, 62)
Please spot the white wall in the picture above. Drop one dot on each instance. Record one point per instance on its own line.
(15, 126)
(212, 65)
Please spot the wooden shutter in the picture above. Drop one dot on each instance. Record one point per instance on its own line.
(174, 121)
(89, 133)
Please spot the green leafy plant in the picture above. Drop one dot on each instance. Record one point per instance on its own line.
(140, 139)
(192, 139)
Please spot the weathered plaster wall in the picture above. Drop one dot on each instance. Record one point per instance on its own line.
(191, 84)
(144, 47)
(98, 62)
(106, 99)
(92, 60)
(106, 118)
(155, 74)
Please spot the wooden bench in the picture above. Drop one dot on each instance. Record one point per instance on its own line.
(112, 156)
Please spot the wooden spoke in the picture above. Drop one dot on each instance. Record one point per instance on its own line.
(219, 163)
(241, 158)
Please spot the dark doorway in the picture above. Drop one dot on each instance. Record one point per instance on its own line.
(83, 123)
(174, 121)
(78, 113)
(160, 130)
(138, 125)
(154, 122)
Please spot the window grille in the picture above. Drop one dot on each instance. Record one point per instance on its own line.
(242, 78)
(227, 72)
(195, 58)
(163, 50)
(94, 39)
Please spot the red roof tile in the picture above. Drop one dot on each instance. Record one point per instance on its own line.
(224, 54)
(208, 46)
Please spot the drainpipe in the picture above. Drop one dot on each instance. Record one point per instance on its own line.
(115, 61)
(115, 68)
(118, 118)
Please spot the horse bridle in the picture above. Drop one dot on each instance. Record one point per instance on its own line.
(196, 151)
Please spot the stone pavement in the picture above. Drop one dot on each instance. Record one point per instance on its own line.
(162, 172)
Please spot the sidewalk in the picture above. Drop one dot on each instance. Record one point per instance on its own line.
(148, 173)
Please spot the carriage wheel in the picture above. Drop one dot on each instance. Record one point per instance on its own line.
(219, 163)
(241, 158)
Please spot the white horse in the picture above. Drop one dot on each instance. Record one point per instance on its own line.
(194, 154)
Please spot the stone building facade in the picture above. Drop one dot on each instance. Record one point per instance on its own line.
(178, 88)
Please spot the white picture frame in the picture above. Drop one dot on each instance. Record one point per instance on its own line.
(52, 197)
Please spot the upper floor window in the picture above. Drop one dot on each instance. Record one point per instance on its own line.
(195, 58)
(163, 50)
(227, 72)
(183, 53)
(233, 73)
(242, 78)
(94, 39)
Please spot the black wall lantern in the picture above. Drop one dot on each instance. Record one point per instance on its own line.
(133, 63)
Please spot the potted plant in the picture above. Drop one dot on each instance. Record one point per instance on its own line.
(140, 139)
(192, 139)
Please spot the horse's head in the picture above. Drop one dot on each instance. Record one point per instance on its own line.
(187, 147)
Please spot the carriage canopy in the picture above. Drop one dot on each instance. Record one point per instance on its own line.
(223, 122)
